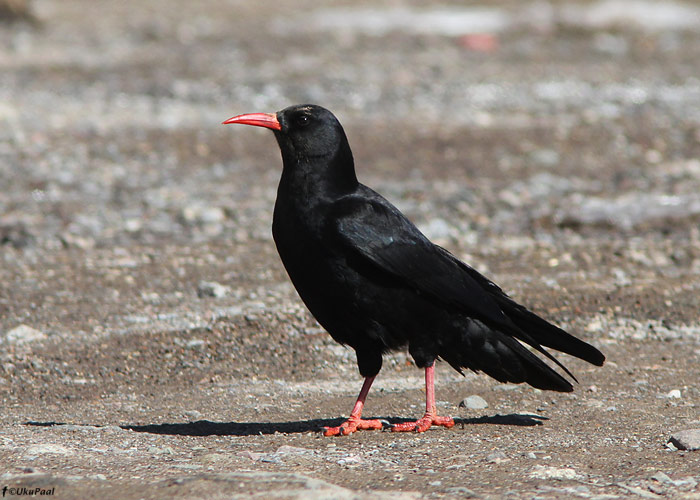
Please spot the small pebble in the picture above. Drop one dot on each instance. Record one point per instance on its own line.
(496, 457)
(561, 473)
(253, 455)
(40, 449)
(23, 333)
(196, 214)
(662, 477)
(212, 289)
(193, 414)
(674, 394)
(474, 403)
(350, 460)
(167, 450)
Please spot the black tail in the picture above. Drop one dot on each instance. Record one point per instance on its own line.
(499, 355)
(539, 331)
(538, 373)
(547, 334)
(506, 359)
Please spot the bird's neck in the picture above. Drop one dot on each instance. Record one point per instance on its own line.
(317, 178)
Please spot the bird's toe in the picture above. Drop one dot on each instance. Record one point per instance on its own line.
(424, 423)
(353, 424)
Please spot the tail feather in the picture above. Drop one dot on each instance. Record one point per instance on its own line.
(549, 335)
(499, 355)
(539, 373)
(540, 332)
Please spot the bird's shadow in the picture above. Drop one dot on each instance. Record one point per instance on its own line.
(208, 428)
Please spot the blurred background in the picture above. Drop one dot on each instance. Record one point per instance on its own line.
(513, 118)
(553, 145)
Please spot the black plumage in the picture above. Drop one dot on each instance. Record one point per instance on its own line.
(376, 283)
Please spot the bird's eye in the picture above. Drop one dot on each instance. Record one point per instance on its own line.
(302, 120)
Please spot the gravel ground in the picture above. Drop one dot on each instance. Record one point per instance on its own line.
(150, 343)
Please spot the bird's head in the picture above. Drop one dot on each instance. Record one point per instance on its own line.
(302, 131)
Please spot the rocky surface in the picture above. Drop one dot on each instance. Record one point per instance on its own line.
(150, 343)
(688, 439)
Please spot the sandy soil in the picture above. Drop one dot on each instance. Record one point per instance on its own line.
(557, 153)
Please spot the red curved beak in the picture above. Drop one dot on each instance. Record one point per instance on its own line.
(267, 120)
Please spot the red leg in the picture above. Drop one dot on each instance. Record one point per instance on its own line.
(355, 423)
(431, 417)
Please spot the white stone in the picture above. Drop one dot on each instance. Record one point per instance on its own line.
(474, 402)
(212, 289)
(543, 472)
(41, 449)
(22, 334)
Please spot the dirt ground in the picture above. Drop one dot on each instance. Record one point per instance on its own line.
(553, 146)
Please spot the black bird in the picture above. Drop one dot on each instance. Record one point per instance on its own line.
(377, 284)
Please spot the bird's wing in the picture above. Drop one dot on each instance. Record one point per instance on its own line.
(372, 230)
(375, 231)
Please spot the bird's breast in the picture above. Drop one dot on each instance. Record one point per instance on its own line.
(297, 235)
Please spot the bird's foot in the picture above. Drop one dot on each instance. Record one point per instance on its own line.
(353, 424)
(423, 424)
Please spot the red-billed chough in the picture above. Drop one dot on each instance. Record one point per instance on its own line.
(377, 284)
